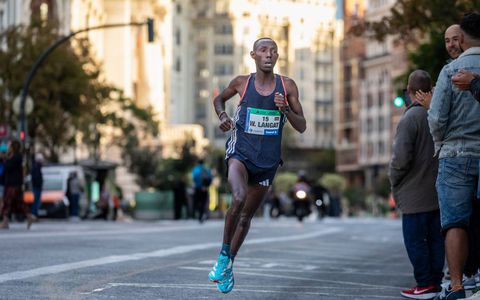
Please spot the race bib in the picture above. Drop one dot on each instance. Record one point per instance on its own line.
(262, 121)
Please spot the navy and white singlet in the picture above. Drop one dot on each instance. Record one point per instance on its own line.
(257, 136)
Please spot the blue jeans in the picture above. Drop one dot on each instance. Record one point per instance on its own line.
(456, 187)
(425, 246)
(37, 196)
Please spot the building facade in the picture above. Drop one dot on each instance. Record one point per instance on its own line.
(348, 98)
(212, 44)
(384, 61)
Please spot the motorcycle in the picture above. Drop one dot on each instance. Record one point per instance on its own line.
(301, 200)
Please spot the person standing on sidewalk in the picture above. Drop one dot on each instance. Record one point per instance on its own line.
(75, 190)
(412, 172)
(202, 178)
(453, 120)
(37, 183)
(3, 153)
(13, 200)
(253, 150)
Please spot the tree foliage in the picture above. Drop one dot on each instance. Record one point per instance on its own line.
(70, 97)
(420, 25)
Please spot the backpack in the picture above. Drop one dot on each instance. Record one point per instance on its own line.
(206, 178)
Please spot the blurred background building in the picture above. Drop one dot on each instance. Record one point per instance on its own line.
(345, 82)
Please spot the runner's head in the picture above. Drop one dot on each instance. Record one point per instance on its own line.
(452, 41)
(265, 54)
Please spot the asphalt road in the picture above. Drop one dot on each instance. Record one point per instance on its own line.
(328, 259)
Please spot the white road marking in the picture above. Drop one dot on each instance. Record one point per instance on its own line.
(236, 271)
(241, 288)
(55, 269)
(341, 271)
(92, 232)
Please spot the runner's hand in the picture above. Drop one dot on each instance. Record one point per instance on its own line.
(226, 123)
(280, 102)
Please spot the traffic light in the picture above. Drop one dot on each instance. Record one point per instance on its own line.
(151, 31)
(22, 135)
(398, 101)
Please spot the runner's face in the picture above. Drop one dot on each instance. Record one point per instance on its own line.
(265, 55)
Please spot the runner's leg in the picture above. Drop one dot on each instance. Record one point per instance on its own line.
(255, 197)
(238, 180)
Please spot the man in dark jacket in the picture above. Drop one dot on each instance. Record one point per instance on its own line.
(412, 172)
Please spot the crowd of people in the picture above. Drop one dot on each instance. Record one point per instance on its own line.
(434, 170)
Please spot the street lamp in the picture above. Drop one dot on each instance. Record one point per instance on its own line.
(23, 96)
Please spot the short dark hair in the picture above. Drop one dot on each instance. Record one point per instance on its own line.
(257, 42)
(470, 24)
(419, 80)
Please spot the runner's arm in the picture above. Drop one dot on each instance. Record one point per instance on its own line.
(233, 88)
(295, 116)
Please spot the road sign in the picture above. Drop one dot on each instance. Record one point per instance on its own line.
(28, 105)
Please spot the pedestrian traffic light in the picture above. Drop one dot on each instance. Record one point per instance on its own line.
(151, 31)
(22, 135)
(398, 101)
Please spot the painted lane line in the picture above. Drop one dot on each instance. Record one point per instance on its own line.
(55, 269)
(243, 289)
(79, 233)
(315, 271)
(303, 278)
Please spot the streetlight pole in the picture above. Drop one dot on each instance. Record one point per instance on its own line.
(44, 55)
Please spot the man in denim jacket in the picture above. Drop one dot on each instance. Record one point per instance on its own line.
(454, 124)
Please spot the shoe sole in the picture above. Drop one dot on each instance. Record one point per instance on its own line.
(423, 296)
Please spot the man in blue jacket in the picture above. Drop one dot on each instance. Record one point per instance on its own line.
(453, 120)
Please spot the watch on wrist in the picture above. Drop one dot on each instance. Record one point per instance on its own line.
(286, 110)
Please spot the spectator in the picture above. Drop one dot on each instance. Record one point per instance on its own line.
(179, 197)
(13, 200)
(3, 153)
(202, 178)
(37, 183)
(412, 173)
(453, 121)
(74, 192)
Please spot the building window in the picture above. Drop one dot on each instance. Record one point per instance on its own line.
(178, 37)
(380, 98)
(381, 124)
(224, 69)
(223, 49)
(369, 125)
(178, 65)
(223, 29)
(179, 9)
(369, 100)
(381, 148)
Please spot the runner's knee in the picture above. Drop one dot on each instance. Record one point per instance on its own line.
(245, 220)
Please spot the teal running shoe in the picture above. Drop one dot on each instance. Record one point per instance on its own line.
(226, 286)
(218, 273)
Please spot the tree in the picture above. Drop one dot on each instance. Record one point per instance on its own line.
(420, 25)
(70, 97)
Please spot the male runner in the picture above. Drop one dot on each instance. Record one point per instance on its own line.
(267, 101)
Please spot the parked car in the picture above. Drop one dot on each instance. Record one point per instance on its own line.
(54, 201)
